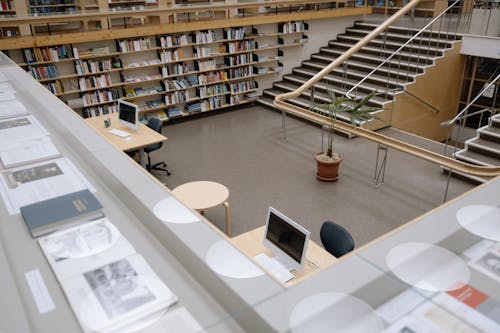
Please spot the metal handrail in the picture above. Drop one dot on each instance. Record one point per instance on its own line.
(459, 115)
(279, 99)
(402, 47)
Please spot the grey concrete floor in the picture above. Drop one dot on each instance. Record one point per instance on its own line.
(245, 150)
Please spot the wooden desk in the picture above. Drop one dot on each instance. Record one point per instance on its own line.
(144, 136)
(317, 258)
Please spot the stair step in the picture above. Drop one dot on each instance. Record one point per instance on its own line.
(491, 148)
(383, 54)
(302, 102)
(476, 158)
(338, 73)
(441, 42)
(323, 88)
(404, 67)
(266, 100)
(380, 43)
(366, 69)
(490, 132)
(396, 61)
(495, 120)
(407, 30)
(306, 104)
(339, 82)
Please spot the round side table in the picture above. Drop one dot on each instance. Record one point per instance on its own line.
(202, 195)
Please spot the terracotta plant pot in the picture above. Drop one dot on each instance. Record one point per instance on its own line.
(327, 171)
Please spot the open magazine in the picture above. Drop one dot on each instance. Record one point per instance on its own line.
(108, 285)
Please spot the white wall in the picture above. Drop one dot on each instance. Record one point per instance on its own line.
(320, 32)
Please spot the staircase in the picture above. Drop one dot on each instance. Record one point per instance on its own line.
(484, 149)
(389, 80)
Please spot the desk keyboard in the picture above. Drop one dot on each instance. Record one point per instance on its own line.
(274, 268)
(119, 133)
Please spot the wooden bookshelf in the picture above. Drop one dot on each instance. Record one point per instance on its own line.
(187, 72)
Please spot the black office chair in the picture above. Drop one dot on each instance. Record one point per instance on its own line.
(155, 124)
(336, 240)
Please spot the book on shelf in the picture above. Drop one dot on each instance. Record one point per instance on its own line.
(28, 151)
(54, 214)
(109, 286)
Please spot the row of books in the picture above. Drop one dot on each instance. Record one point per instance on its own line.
(159, 114)
(44, 72)
(41, 54)
(92, 66)
(100, 96)
(100, 110)
(171, 55)
(176, 84)
(55, 87)
(212, 90)
(239, 59)
(177, 97)
(235, 33)
(205, 65)
(174, 40)
(206, 105)
(90, 82)
(235, 73)
(207, 36)
(139, 44)
(5, 5)
(244, 45)
(51, 2)
(242, 86)
(206, 78)
(295, 26)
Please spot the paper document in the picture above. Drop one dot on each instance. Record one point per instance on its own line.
(82, 248)
(19, 129)
(489, 263)
(40, 181)
(39, 290)
(112, 297)
(7, 96)
(473, 306)
(399, 305)
(6, 87)
(12, 108)
(29, 151)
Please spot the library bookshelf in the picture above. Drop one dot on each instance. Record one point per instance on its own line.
(168, 75)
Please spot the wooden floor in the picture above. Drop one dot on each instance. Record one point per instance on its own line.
(244, 149)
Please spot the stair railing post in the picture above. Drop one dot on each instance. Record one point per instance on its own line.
(380, 172)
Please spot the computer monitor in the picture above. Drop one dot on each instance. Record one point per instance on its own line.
(286, 238)
(128, 114)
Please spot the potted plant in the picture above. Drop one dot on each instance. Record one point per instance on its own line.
(328, 162)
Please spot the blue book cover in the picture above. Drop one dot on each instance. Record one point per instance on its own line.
(61, 212)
